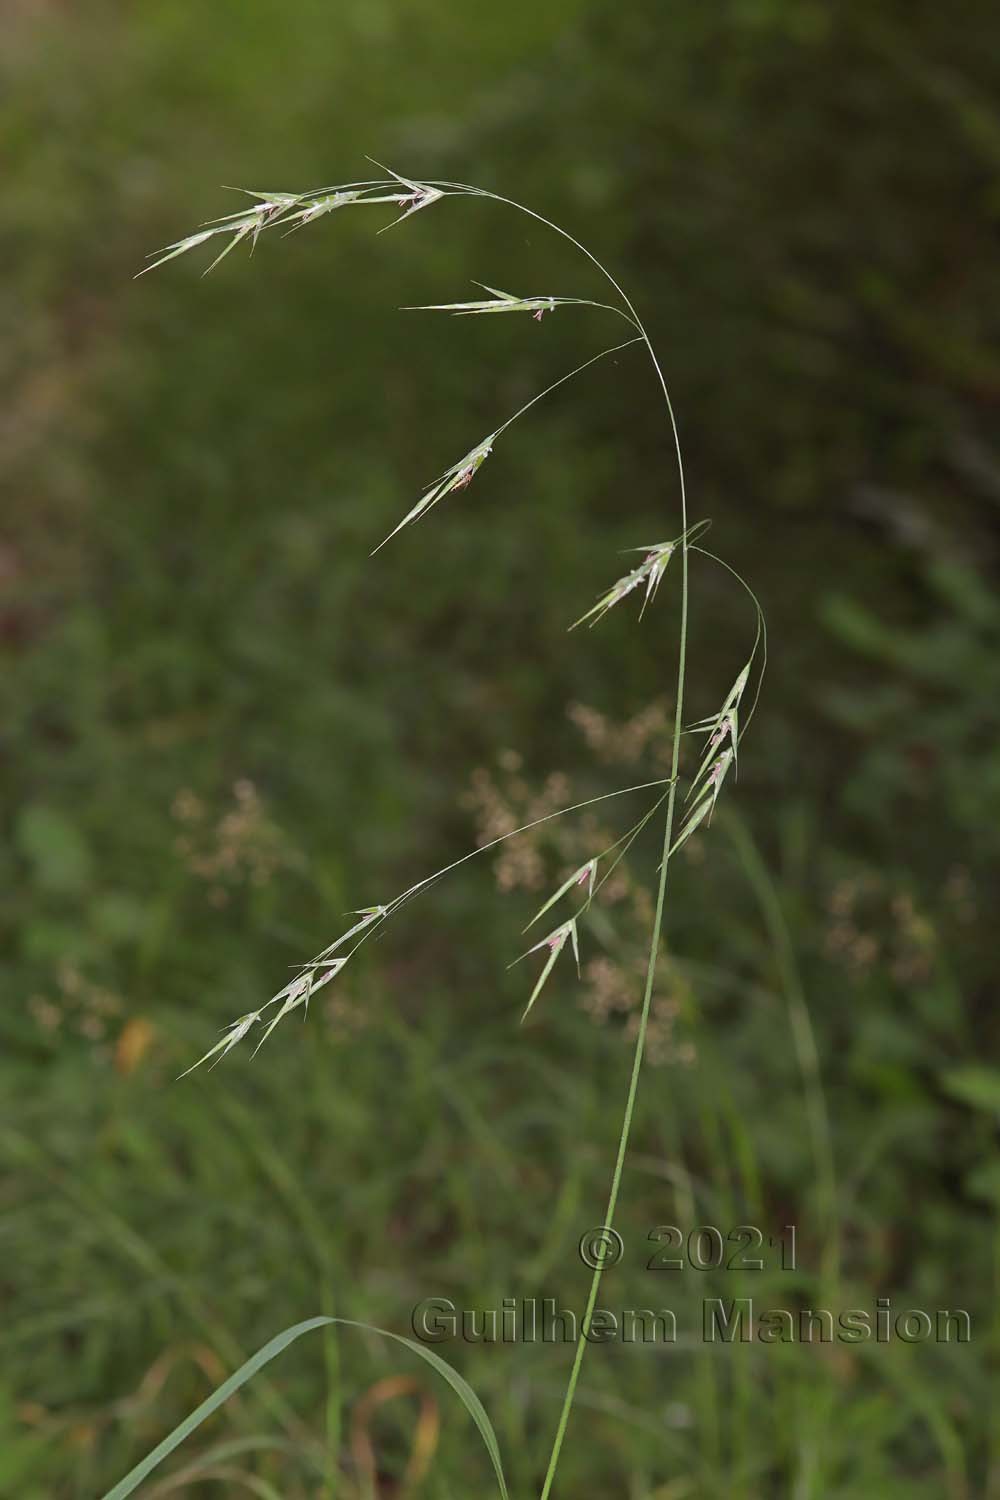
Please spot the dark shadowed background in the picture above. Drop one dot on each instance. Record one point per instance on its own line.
(223, 725)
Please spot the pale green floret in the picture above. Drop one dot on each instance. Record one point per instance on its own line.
(497, 302)
(314, 208)
(555, 942)
(299, 993)
(649, 572)
(716, 760)
(584, 875)
(235, 1032)
(455, 478)
(419, 195)
(296, 210)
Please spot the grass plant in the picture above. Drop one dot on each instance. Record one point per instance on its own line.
(723, 730)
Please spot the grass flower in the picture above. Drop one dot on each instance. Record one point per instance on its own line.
(418, 195)
(555, 943)
(497, 302)
(649, 573)
(316, 207)
(295, 210)
(583, 876)
(458, 477)
(716, 761)
(234, 1032)
(311, 977)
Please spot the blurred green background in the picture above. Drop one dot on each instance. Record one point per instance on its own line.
(223, 725)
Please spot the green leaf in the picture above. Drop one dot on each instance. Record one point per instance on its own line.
(281, 1341)
(974, 1085)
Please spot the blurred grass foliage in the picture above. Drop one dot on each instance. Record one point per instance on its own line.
(222, 725)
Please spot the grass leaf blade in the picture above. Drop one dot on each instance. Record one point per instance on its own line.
(271, 1350)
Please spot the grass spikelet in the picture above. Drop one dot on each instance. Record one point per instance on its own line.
(497, 302)
(717, 759)
(311, 977)
(555, 943)
(235, 1032)
(300, 991)
(583, 876)
(723, 725)
(180, 247)
(315, 208)
(649, 572)
(418, 195)
(456, 478)
(368, 914)
(296, 210)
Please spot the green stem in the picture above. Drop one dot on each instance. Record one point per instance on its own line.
(640, 1043)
